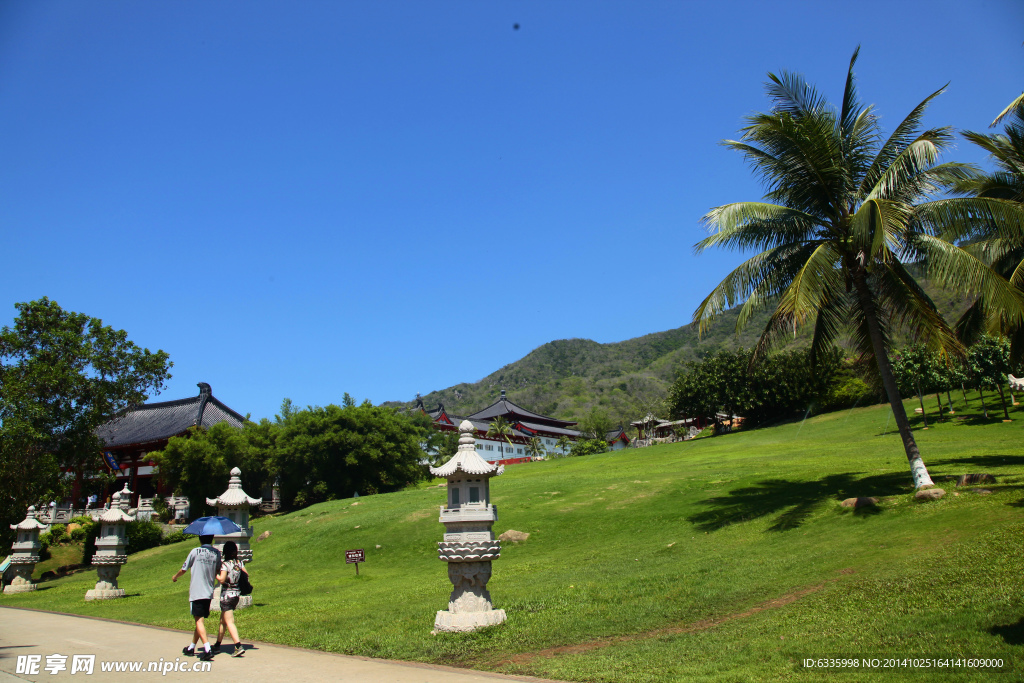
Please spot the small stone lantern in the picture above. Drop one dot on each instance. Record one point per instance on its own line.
(469, 545)
(110, 547)
(234, 504)
(25, 552)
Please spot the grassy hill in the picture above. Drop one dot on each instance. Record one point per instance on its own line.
(568, 377)
(719, 559)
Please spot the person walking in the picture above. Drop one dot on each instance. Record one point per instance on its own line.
(230, 571)
(204, 563)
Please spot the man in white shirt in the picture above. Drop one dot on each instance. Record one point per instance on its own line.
(204, 563)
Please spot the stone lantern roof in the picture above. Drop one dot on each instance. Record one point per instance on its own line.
(118, 511)
(234, 496)
(30, 522)
(466, 458)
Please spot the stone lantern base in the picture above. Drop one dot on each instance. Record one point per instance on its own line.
(469, 606)
(106, 587)
(22, 582)
(467, 621)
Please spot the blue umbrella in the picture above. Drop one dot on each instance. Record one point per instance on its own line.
(212, 526)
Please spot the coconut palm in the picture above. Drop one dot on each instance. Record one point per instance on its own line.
(1001, 243)
(501, 428)
(837, 226)
(535, 449)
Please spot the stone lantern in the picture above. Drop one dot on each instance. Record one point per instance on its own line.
(469, 545)
(234, 504)
(25, 552)
(110, 547)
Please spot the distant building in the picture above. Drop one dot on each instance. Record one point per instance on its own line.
(132, 435)
(525, 424)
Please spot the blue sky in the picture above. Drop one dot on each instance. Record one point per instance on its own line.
(303, 199)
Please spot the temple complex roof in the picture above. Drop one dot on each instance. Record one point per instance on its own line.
(158, 421)
(514, 413)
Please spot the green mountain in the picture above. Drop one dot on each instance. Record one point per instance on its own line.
(567, 378)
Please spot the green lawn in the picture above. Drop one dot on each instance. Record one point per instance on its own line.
(720, 559)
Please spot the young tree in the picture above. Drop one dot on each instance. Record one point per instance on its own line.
(989, 360)
(501, 428)
(535, 448)
(838, 224)
(62, 374)
(562, 446)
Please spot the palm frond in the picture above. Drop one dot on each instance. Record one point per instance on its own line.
(1014, 106)
(755, 225)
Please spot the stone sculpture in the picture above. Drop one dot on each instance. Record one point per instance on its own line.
(110, 547)
(25, 552)
(469, 545)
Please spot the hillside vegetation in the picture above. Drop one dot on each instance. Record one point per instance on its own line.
(719, 559)
(569, 377)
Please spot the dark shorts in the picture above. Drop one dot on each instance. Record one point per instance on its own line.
(228, 604)
(201, 608)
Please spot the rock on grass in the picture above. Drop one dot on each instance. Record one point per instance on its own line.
(929, 494)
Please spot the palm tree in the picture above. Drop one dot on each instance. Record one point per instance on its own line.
(535, 449)
(501, 428)
(1001, 244)
(563, 445)
(836, 227)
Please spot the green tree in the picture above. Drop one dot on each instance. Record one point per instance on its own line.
(197, 465)
(62, 374)
(989, 362)
(588, 447)
(501, 428)
(333, 452)
(838, 224)
(595, 424)
(535, 449)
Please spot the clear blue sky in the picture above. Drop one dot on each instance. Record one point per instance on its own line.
(303, 199)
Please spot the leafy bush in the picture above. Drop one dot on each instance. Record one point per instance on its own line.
(57, 534)
(79, 535)
(175, 537)
(588, 447)
(142, 535)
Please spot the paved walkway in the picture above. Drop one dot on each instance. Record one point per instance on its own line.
(31, 632)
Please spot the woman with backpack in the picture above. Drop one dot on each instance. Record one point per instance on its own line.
(230, 574)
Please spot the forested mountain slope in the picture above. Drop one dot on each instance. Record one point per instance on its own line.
(567, 378)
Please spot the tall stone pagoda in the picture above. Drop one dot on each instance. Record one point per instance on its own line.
(110, 547)
(469, 545)
(25, 552)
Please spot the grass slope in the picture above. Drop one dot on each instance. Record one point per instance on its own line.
(719, 559)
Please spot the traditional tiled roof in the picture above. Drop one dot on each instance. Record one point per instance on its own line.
(516, 413)
(550, 429)
(615, 435)
(118, 512)
(157, 421)
(466, 458)
(234, 495)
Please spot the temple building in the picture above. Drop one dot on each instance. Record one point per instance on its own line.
(525, 424)
(132, 435)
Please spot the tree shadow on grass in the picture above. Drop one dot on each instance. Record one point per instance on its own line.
(1012, 634)
(995, 460)
(794, 501)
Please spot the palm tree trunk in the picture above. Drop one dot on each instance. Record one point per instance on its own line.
(917, 468)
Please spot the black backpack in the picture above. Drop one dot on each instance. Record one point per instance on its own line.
(244, 587)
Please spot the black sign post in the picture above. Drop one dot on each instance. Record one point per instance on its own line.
(355, 557)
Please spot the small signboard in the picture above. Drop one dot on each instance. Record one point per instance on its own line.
(355, 557)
